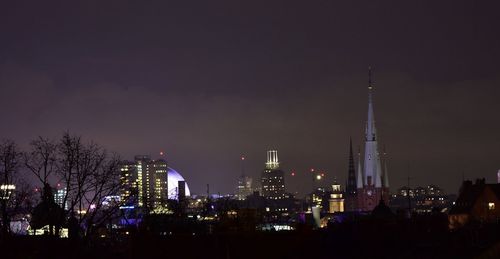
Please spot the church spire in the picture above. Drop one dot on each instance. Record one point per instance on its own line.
(360, 177)
(351, 177)
(371, 132)
(385, 180)
(372, 169)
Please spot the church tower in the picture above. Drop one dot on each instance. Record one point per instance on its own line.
(374, 185)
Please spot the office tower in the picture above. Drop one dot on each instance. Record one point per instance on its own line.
(273, 179)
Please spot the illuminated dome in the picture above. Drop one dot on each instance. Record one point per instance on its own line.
(173, 183)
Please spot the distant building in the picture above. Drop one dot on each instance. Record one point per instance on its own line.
(244, 187)
(273, 179)
(336, 200)
(372, 181)
(128, 180)
(420, 199)
(110, 201)
(6, 191)
(181, 195)
(319, 198)
(59, 195)
(149, 183)
(479, 202)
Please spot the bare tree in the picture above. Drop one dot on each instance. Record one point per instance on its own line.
(41, 159)
(89, 174)
(9, 165)
(102, 183)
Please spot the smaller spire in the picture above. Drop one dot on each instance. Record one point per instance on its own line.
(385, 180)
(370, 84)
(360, 177)
(351, 176)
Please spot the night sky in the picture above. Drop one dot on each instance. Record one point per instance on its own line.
(207, 81)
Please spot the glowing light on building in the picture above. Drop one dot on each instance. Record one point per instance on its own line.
(6, 190)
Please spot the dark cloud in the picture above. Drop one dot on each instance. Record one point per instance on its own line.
(206, 81)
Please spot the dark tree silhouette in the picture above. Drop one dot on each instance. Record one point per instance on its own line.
(41, 159)
(9, 165)
(89, 174)
(47, 212)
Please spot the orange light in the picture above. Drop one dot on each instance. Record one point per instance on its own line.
(293, 173)
(323, 174)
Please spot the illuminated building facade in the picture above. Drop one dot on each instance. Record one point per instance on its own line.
(6, 191)
(149, 183)
(336, 200)
(421, 199)
(128, 179)
(372, 182)
(273, 179)
(244, 187)
(145, 179)
(59, 195)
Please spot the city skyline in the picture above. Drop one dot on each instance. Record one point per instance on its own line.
(206, 84)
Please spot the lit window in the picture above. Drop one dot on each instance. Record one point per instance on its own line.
(491, 206)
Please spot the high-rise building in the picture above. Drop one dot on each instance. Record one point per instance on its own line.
(59, 195)
(273, 179)
(372, 182)
(147, 179)
(149, 183)
(244, 187)
(129, 184)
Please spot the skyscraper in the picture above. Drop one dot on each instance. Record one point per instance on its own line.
(372, 182)
(146, 179)
(244, 187)
(273, 179)
(60, 193)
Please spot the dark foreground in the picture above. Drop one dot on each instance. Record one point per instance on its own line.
(344, 241)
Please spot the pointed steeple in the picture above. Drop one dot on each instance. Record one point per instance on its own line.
(371, 131)
(385, 180)
(351, 177)
(372, 169)
(360, 177)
